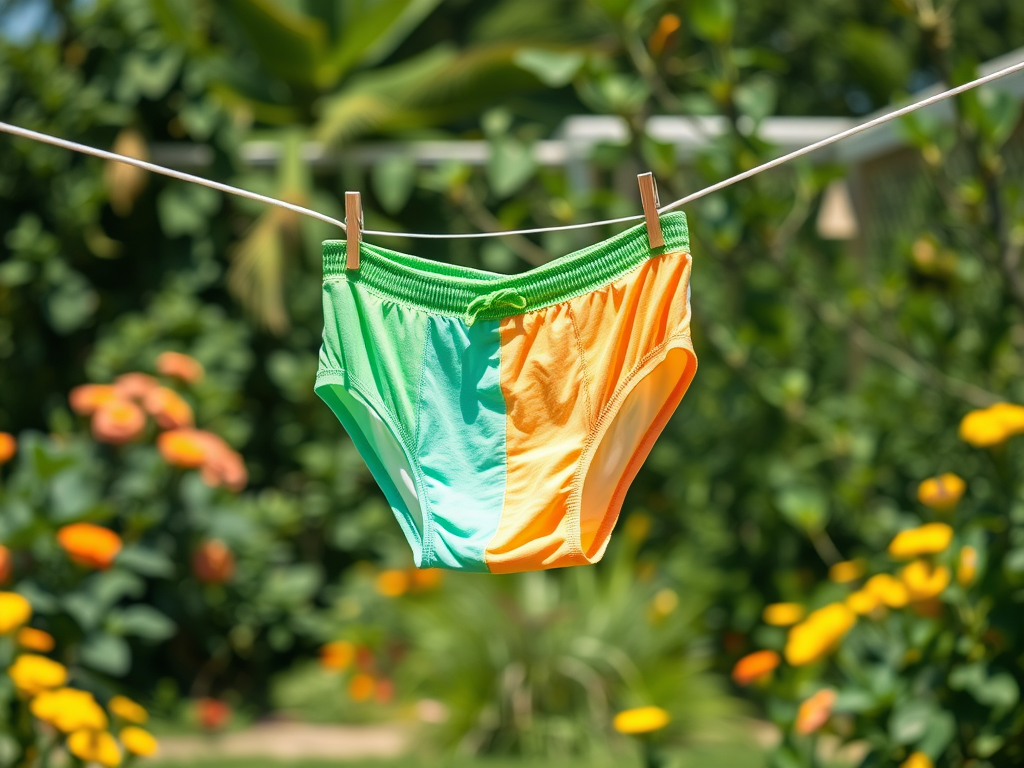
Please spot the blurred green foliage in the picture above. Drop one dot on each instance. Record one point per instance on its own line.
(830, 373)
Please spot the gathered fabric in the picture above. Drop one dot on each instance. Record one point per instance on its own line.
(505, 416)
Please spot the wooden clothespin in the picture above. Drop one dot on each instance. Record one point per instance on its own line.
(353, 229)
(650, 202)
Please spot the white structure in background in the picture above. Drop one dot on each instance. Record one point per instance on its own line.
(578, 137)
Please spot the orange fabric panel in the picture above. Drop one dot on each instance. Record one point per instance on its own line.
(564, 370)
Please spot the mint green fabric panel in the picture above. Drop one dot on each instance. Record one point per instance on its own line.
(370, 365)
(461, 441)
(377, 342)
(386, 457)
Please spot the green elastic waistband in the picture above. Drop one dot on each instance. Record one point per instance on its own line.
(476, 294)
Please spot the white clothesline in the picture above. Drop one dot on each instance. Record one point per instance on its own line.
(152, 167)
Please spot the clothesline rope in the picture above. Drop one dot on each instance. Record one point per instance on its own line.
(228, 189)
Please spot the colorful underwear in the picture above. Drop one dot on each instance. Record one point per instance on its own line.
(504, 416)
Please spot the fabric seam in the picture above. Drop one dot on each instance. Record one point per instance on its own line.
(585, 370)
(346, 379)
(655, 355)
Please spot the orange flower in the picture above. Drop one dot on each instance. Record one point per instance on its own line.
(966, 570)
(182, 448)
(86, 399)
(197, 448)
(179, 366)
(393, 583)
(846, 571)
(90, 545)
(941, 493)
(213, 562)
(168, 408)
(668, 25)
(117, 422)
(35, 640)
(928, 539)
(223, 466)
(213, 714)
(135, 386)
(385, 691)
(8, 447)
(426, 578)
(782, 614)
(6, 564)
(337, 655)
(755, 667)
(815, 711)
(923, 581)
(361, 687)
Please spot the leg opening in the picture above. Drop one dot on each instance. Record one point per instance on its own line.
(630, 431)
(384, 453)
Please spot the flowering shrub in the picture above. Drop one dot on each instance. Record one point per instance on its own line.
(915, 657)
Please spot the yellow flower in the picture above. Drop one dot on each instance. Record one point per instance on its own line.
(923, 581)
(968, 567)
(337, 655)
(917, 760)
(126, 709)
(928, 539)
(69, 710)
(815, 711)
(818, 634)
(862, 602)
(665, 601)
(392, 583)
(888, 590)
(782, 614)
(754, 667)
(993, 425)
(35, 640)
(95, 746)
(846, 571)
(34, 674)
(641, 720)
(15, 611)
(138, 741)
(941, 493)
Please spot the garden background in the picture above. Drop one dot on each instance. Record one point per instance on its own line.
(255, 571)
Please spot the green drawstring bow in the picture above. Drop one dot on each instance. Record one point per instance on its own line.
(506, 297)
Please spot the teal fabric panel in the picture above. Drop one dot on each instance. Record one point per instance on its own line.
(461, 441)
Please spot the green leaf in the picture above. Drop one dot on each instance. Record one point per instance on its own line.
(803, 506)
(909, 721)
(393, 181)
(939, 733)
(142, 621)
(84, 609)
(293, 585)
(553, 68)
(146, 561)
(510, 166)
(185, 209)
(374, 34)
(999, 692)
(106, 653)
(713, 20)
(288, 44)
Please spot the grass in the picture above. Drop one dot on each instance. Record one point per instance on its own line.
(405, 762)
